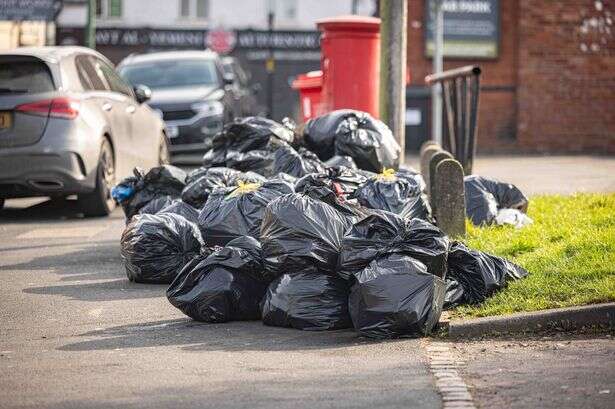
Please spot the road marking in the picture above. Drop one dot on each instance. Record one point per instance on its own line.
(62, 233)
(443, 365)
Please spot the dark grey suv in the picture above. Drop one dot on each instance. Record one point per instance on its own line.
(194, 93)
(70, 125)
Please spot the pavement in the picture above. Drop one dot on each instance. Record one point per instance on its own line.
(75, 333)
(549, 371)
(535, 174)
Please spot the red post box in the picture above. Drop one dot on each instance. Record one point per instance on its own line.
(350, 60)
(309, 86)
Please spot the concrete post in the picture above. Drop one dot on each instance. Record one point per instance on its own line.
(393, 33)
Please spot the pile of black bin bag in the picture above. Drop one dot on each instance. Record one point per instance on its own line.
(313, 231)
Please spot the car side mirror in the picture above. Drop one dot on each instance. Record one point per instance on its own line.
(256, 88)
(142, 93)
(228, 78)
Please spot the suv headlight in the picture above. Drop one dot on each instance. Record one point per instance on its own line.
(208, 108)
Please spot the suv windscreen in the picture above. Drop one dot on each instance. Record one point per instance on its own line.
(171, 74)
(24, 75)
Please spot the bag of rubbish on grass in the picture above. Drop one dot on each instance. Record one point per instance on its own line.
(307, 300)
(399, 192)
(299, 232)
(395, 296)
(224, 286)
(339, 161)
(479, 274)
(384, 233)
(484, 197)
(296, 163)
(136, 191)
(238, 211)
(155, 247)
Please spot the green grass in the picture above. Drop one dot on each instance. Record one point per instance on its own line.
(569, 252)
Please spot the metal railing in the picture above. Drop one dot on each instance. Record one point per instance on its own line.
(460, 89)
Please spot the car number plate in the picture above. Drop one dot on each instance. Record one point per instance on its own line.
(6, 120)
(172, 131)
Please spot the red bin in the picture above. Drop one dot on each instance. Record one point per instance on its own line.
(309, 86)
(350, 60)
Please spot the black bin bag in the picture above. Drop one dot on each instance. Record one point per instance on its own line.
(238, 211)
(155, 247)
(136, 191)
(484, 197)
(225, 286)
(203, 181)
(300, 232)
(368, 141)
(341, 161)
(183, 209)
(395, 296)
(400, 192)
(307, 300)
(296, 163)
(247, 144)
(478, 274)
(341, 180)
(156, 205)
(386, 233)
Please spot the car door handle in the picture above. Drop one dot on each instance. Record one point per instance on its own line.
(107, 106)
(131, 109)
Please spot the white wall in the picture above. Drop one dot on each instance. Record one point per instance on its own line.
(232, 14)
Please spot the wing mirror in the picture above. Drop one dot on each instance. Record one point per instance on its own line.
(142, 93)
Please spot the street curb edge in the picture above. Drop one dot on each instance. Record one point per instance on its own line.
(567, 318)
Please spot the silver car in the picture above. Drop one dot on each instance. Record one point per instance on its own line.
(70, 125)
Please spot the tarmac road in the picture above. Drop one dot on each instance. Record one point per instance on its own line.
(75, 333)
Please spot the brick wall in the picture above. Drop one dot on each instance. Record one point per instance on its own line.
(546, 92)
(566, 85)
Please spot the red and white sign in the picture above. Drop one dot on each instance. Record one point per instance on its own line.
(221, 41)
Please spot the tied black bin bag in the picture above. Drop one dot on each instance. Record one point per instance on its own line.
(238, 211)
(135, 192)
(398, 192)
(300, 232)
(296, 163)
(224, 286)
(484, 197)
(246, 143)
(395, 296)
(307, 300)
(385, 233)
(156, 205)
(197, 191)
(478, 274)
(356, 134)
(155, 247)
(183, 209)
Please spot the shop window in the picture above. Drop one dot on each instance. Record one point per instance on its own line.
(194, 9)
(109, 8)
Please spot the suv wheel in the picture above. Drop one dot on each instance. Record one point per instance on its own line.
(99, 202)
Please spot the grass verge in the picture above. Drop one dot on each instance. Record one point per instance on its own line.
(569, 251)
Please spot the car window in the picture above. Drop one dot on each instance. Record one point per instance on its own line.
(83, 75)
(85, 67)
(115, 82)
(21, 74)
(172, 73)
